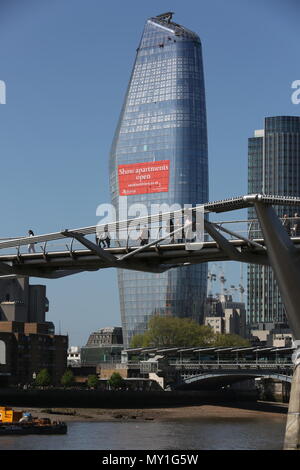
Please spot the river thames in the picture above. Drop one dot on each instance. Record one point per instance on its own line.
(253, 433)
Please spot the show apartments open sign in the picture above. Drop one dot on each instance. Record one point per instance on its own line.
(141, 178)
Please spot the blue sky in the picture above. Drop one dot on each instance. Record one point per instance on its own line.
(66, 65)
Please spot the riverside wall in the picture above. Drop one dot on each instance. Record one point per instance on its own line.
(117, 399)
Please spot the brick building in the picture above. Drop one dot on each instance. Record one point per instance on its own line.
(27, 341)
(26, 348)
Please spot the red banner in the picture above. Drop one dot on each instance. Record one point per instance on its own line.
(141, 178)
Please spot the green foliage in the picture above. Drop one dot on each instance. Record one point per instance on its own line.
(92, 381)
(139, 341)
(43, 379)
(173, 331)
(67, 379)
(182, 332)
(230, 340)
(116, 381)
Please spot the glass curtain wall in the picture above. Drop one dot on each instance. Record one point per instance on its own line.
(162, 124)
(273, 168)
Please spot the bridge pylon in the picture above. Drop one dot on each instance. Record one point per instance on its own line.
(285, 263)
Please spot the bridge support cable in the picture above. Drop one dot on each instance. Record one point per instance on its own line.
(238, 236)
(223, 243)
(231, 251)
(144, 247)
(285, 263)
(106, 257)
(110, 260)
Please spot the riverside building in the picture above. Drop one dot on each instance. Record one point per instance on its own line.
(28, 342)
(273, 168)
(162, 133)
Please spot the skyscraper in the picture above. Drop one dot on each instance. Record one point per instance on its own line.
(273, 168)
(162, 122)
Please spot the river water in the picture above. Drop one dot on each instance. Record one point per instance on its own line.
(256, 433)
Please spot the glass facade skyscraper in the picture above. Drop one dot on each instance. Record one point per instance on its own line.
(162, 125)
(273, 168)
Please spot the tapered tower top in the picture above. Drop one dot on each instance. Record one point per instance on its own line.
(165, 20)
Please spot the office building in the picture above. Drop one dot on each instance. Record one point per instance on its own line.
(103, 346)
(273, 168)
(225, 315)
(271, 335)
(21, 301)
(162, 135)
(27, 348)
(74, 356)
(27, 341)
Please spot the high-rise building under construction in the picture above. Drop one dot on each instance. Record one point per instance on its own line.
(162, 128)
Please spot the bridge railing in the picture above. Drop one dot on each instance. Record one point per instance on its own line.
(128, 238)
(234, 366)
(231, 364)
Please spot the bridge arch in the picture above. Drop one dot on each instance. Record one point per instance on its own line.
(213, 380)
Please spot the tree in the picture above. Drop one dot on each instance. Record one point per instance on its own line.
(116, 381)
(172, 332)
(139, 341)
(67, 379)
(43, 379)
(92, 381)
(224, 340)
(165, 332)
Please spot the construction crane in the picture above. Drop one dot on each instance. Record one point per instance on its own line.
(241, 285)
(217, 272)
(211, 277)
(222, 280)
(240, 288)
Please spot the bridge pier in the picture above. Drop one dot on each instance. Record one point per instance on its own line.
(292, 431)
(285, 264)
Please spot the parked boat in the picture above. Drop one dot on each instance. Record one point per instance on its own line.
(33, 428)
(16, 422)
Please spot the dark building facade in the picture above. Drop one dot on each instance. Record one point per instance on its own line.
(273, 168)
(27, 341)
(27, 348)
(21, 301)
(162, 130)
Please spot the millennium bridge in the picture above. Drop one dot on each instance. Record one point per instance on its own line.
(274, 245)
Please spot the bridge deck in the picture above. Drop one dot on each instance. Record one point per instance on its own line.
(79, 253)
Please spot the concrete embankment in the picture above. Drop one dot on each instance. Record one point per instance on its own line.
(116, 399)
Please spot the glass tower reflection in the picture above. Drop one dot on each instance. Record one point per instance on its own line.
(163, 119)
